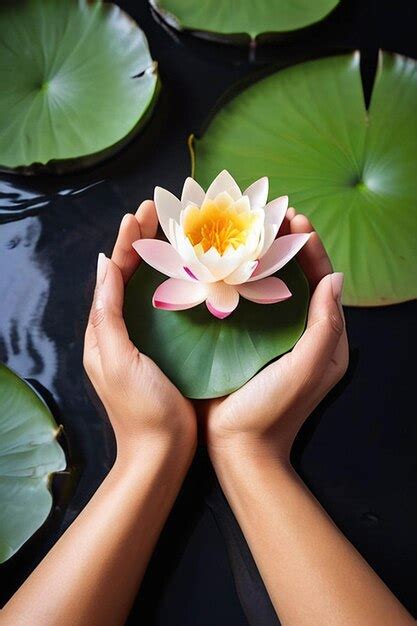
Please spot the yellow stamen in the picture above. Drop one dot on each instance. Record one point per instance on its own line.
(218, 224)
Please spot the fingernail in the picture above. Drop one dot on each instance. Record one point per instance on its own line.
(337, 285)
(102, 264)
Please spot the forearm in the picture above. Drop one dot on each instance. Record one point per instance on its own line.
(93, 572)
(314, 576)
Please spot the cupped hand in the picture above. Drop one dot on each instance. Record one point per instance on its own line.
(139, 399)
(268, 411)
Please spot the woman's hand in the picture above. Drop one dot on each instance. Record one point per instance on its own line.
(112, 539)
(139, 399)
(312, 573)
(267, 412)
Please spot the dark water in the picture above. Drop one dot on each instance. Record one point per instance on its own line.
(357, 453)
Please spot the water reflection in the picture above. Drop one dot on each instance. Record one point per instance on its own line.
(24, 345)
(20, 198)
(50, 233)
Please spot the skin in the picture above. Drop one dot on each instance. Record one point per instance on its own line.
(98, 564)
(314, 576)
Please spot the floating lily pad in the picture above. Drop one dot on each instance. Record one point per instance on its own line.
(28, 454)
(207, 357)
(223, 18)
(77, 81)
(351, 170)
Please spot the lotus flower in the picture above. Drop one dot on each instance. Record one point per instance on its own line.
(222, 245)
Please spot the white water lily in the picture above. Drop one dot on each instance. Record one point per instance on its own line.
(222, 245)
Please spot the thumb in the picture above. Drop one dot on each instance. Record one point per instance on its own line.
(107, 312)
(313, 352)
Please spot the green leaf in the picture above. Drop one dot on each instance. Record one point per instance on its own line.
(206, 357)
(28, 454)
(77, 81)
(251, 17)
(352, 171)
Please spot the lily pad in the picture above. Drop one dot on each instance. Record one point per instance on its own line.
(206, 357)
(77, 81)
(28, 455)
(351, 170)
(223, 18)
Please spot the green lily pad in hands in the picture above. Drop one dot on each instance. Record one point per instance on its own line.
(206, 357)
(28, 455)
(226, 18)
(352, 170)
(77, 81)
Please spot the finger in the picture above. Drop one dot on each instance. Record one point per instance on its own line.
(147, 219)
(313, 257)
(124, 256)
(316, 265)
(285, 228)
(290, 213)
(313, 353)
(339, 363)
(107, 314)
(133, 227)
(91, 353)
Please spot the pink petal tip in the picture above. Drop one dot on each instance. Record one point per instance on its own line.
(221, 315)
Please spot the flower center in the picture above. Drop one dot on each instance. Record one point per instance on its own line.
(217, 224)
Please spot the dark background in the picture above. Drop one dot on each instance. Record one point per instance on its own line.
(357, 452)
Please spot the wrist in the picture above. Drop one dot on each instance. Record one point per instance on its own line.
(245, 449)
(250, 471)
(155, 447)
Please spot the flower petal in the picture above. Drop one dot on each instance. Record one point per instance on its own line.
(242, 205)
(161, 256)
(242, 273)
(171, 229)
(282, 250)
(190, 210)
(167, 207)
(224, 182)
(177, 295)
(222, 299)
(275, 211)
(258, 192)
(274, 215)
(270, 233)
(266, 291)
(192, 192)
(221, 266)
(189, 257)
